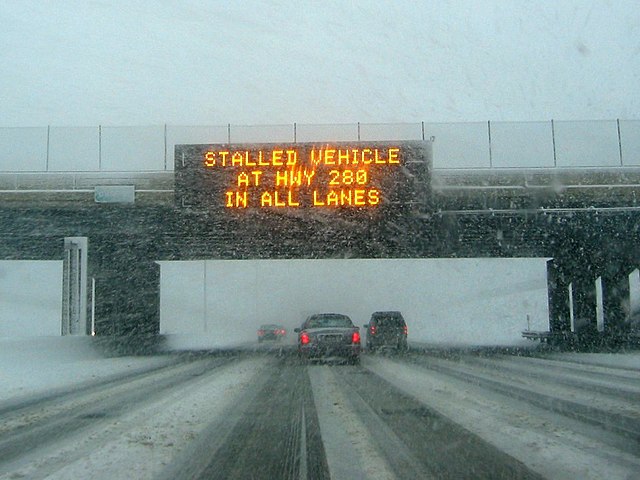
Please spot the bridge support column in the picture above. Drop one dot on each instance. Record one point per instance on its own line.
(585, 303)
(615, 300)
(127, 299)
(558, 297)
(74, 286)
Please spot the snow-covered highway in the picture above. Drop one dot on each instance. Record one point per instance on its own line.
(261, 413)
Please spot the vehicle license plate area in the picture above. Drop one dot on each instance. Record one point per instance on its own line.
(331, 339)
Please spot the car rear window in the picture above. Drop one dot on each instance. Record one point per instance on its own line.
(391, 320)
(320, 321)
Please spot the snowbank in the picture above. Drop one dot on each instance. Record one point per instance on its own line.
(36, 365)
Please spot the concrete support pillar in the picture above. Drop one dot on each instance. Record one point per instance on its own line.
(585, 302)
(558, 297)
(74, 286)
(127, 290)
(615, 300)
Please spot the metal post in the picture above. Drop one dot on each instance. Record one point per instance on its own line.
(204, 294)
(490, 153)
(165, 147)
(620, 143)
(66, 281)
(423, 130)
(358, 131)
(48, 140)
(99, 147)
(93, 306)
(295, 133)
(553, 140)
(572, 313)
(228, 133)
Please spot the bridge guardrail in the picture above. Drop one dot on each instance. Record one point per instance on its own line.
(474, 145)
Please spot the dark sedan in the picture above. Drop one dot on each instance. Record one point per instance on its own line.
(327, 335)
(271, 332)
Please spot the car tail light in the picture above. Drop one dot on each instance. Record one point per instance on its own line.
(372, 329)
(260, 332)
(304, 338)
(355, 337)
(405, 330)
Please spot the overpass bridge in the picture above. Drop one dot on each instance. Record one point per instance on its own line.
(584, 219)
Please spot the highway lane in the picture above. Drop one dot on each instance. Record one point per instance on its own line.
(265, 414)
(606, 398)
(278, 434)
(271, 432)
(560, 419)
(33, 430)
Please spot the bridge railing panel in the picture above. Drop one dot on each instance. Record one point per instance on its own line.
(23, 149)
(479, 145)
(521, 144)
(192, 135)
(630, 142)
(132, 148)
(261, 133)
(345, 132)
(459, 145)
(587, 144)
(391, 131)
(74, 149)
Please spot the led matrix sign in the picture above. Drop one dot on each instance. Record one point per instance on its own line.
(355, 176)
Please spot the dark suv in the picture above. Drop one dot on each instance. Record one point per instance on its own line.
(386, 329)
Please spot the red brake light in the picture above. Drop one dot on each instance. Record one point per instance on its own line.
(261, 332)
(372, 329)
(355, 338)
(406, 330)
(304, 338)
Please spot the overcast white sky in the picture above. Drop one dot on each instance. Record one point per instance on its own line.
(206, 62)
(142, 62)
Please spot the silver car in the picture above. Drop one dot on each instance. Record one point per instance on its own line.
(328, 335)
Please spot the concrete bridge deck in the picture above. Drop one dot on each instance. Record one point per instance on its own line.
(453, 189)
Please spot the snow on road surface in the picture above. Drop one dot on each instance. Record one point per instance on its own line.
(616, 360)
(147, 440)
(42, 365)
(143, 442)
(539, 438)
(350, 451)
